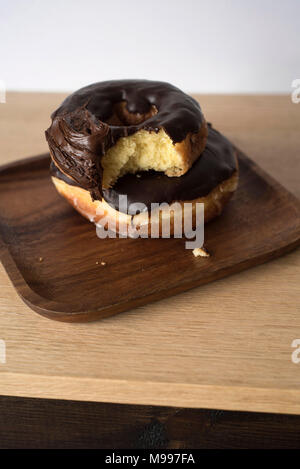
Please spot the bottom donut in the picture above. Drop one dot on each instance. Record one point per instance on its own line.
(155, 201)
(100, 212)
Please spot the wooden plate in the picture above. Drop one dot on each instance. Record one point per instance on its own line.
(53, 255)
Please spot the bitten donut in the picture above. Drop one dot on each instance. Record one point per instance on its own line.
(211, 180)
(113, 128)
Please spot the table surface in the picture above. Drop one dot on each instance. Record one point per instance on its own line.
(226, 345)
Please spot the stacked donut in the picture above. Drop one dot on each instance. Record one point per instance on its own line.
(145, 140)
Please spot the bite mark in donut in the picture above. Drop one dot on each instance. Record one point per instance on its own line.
(110, 128)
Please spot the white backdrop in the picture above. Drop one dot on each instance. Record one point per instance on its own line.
(205, 46)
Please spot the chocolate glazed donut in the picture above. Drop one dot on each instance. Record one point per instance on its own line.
(211, 180)
(94, 119)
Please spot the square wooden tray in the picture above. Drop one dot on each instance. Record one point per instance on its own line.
(53, 255)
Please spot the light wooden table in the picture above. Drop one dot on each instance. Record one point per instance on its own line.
(226, 345)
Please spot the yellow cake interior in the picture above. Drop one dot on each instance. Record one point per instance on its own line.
(141, 151)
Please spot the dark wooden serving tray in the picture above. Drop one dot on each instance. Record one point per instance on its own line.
(53, 255)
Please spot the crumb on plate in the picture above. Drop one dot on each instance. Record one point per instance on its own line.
(201, 252)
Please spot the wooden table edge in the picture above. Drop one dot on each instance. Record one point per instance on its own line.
(185, 395)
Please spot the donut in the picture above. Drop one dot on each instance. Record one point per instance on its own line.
(211, 180)
(109, 129)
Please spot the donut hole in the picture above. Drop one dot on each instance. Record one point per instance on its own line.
(121, 115)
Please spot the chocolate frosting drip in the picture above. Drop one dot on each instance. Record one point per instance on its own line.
(217, 163)
(89, 122)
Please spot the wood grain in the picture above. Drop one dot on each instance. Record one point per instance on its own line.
(224, 345)
(57, 424)
(54, 257)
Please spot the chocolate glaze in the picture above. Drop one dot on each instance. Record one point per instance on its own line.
(81, 130)
(217, 163)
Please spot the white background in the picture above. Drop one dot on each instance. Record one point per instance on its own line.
(204, 46)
